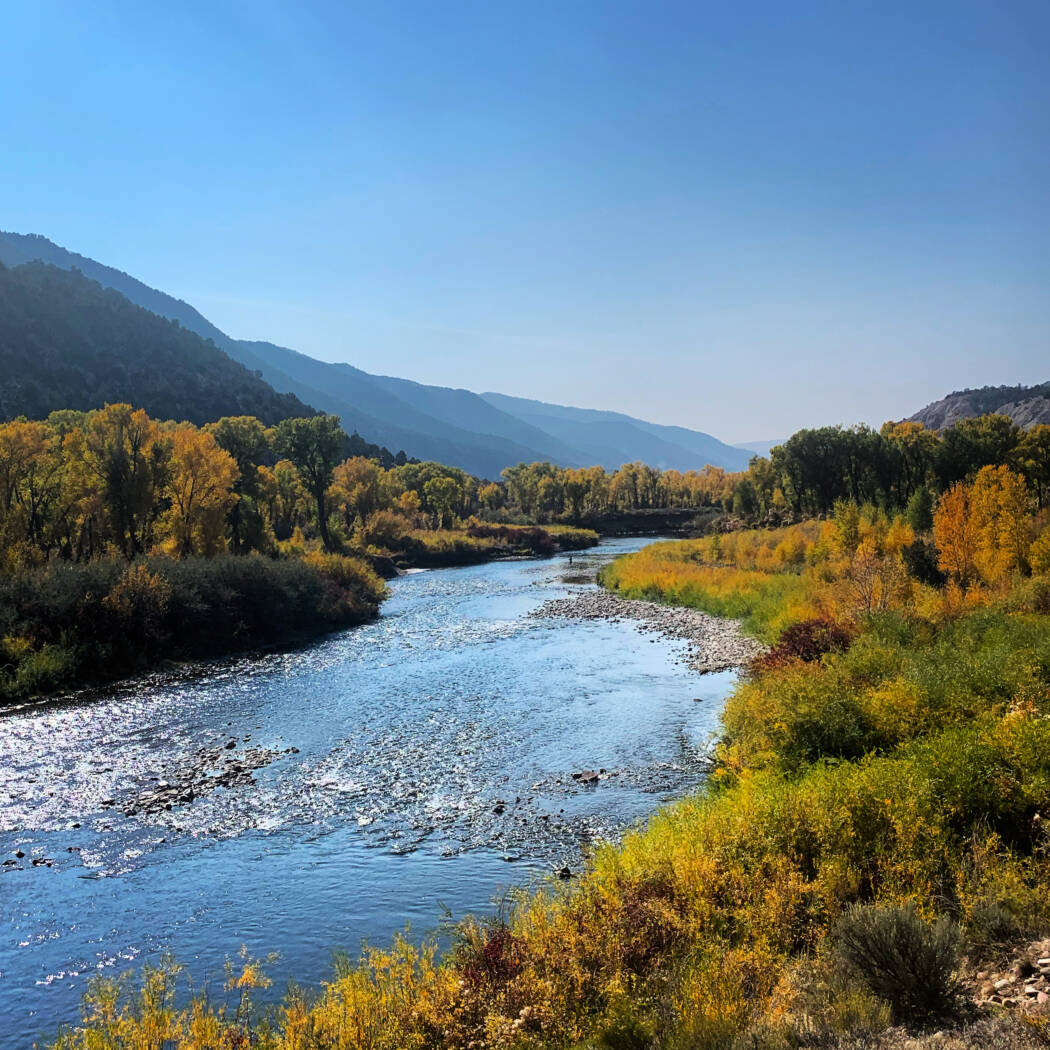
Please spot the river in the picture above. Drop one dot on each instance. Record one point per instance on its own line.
(417, 766)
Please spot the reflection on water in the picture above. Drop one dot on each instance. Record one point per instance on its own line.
(330, 795)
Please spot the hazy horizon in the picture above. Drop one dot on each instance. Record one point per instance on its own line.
(739, 221)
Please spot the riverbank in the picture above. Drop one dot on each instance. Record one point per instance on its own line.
(67, 625)
(480, 542)
(714, 644)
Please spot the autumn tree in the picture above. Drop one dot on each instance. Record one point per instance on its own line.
(955, 534)
(127, 455)
(576, 487)
(200, 487)
(1002, 521)
(408, 505)
(33, 514)
(492, 496)
(245, 439)
(357, 490)
(282, 496)
(913, 450)
(442, 495)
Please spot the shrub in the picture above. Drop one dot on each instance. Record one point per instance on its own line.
(384, 529)
(1041, 597)
(622, 1029)
(807, 641)
(907, 962)
(531, 538)
(66, 621)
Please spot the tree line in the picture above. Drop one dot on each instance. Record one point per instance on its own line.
(115, 482)
(815, 468)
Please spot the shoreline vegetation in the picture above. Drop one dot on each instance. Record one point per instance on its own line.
(866, 867)
(68, 626)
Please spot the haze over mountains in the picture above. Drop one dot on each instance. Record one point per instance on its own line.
(480, 433)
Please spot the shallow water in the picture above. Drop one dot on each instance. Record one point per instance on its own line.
(436, 748)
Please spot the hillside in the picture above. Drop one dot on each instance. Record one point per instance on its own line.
(1025, 405)
(67, 342)
(482, 434)
(760, 448)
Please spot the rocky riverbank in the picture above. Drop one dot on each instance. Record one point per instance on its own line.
(714, 644)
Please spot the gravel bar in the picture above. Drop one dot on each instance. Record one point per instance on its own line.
(715, 644)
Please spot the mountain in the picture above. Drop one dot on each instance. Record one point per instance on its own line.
(1025, 405)
(480, 433)
(760, 448)
(611, 438)
(67, 342)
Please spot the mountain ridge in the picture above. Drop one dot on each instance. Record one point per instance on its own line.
(68, 342)
(1025, 405)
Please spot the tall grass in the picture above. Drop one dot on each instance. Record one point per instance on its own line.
(765, 602)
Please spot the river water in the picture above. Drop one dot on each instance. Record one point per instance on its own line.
(416, 766)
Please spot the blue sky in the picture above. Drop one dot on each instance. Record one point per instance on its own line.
(740, 217)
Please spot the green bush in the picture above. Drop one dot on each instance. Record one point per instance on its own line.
(907, 962)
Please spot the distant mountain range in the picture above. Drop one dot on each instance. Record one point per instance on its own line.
(480, 433)
(1025, 405)
(760, 448)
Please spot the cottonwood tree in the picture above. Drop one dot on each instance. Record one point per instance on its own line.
(955, 535)
(245, 439)
(314, 445)
(999, 504)
(443, 495)
(200, 488)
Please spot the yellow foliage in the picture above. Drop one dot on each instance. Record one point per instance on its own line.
(904, 769)
(200, 487)
(1040, 553)
(955, 534)
(983, 531)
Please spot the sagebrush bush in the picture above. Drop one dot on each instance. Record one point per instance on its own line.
(909, 963)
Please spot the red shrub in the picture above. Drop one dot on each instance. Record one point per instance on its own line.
(807, 641)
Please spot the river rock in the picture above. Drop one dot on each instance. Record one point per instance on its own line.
(196, 776)
(715, 644)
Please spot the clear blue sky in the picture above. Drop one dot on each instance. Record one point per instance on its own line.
(743, 217)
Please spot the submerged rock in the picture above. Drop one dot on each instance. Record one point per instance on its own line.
(197, 776)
